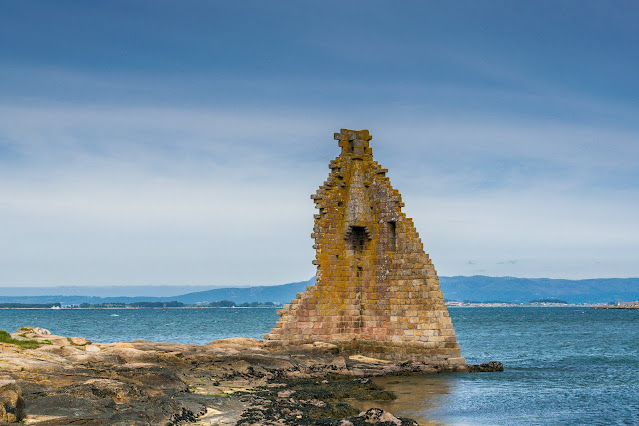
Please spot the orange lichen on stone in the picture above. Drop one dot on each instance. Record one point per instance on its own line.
(377, 291)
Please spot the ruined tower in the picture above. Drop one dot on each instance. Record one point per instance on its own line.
(377, 291)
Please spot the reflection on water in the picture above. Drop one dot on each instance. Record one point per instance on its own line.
(417, 396)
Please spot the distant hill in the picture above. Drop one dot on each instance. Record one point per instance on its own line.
(522, 290)
(104, 291)
(477, 288)
(277, 293)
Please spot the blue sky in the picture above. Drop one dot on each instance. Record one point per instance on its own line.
(156, 142)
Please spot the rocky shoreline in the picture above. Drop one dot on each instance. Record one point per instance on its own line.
(226, 382)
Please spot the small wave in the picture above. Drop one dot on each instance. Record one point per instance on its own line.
(115, 315)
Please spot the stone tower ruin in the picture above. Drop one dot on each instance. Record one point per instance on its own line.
(377, 292)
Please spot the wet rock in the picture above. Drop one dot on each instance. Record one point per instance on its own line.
(105, 388)
(488, 367)
(319, 403)
(12, 407)
(78, 421)
(337, 389)
(294, 412)
(285, 393)
(379, 416)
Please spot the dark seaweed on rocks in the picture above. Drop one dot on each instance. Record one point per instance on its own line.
(318, 402)
(336, 388)
(317, 413)
(488, 367)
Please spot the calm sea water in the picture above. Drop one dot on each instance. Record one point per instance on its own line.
(563, 365)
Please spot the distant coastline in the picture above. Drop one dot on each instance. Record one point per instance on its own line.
(135, 308)
(626, 305)
(224, 304)
(279, 306)
(474, 291)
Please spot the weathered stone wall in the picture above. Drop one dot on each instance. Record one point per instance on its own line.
(377, 291)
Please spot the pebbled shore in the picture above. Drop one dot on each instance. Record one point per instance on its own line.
(70, 380)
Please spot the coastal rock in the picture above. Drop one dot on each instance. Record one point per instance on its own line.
(35, 331)
(369, 360)
(235, 345)
(488, 367)
(79, 341)
(339, 362)
(378, 416)
(63, 351)
(12, 407)
(115, 389)
(152, 376)
(92, 348)
(50, 339)
(285, 393)
(144, 382)
(132, 355)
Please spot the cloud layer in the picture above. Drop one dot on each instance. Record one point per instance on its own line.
(145, 195)
(158, 146)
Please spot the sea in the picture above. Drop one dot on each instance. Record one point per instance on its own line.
(563, 365)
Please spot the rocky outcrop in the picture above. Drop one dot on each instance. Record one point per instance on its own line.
(11, 402)
(144, 382)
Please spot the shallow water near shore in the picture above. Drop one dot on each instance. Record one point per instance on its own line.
(563, 365)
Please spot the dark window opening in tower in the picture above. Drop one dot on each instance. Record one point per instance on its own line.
(358, 238)
(392, 238)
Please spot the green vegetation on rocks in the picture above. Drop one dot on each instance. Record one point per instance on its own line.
(5, 337)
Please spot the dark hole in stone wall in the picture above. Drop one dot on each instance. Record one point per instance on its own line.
(358, 238)
(392, 238)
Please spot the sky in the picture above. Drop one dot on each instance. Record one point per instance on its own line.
(177, 143)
